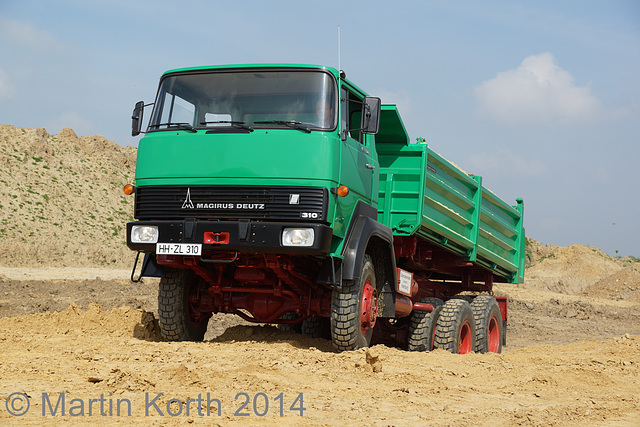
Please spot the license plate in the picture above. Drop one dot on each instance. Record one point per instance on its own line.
(178, 249)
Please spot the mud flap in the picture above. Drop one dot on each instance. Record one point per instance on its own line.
(150, 267)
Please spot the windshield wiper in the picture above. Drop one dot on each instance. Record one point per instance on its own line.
(292, 124)
(185, 126)
(241, 125)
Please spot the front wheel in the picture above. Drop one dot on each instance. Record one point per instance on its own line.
(178, 298)
(354, 310)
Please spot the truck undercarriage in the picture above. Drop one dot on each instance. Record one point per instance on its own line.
(285, 290)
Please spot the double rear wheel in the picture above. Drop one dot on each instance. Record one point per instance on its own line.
(456, 330)
(488, 319)
(422, 326)
(468, 324)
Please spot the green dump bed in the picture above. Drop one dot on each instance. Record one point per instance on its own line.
(423, 194)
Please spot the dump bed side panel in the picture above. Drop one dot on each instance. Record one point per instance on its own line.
(500, 237)
(401, 186)
(449, 214)
(423, 194)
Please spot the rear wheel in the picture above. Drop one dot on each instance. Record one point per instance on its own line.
(178, 298)
(488, 320)
(455, 331)
(354, 310)
(422, 328)
(316, 327)
(289, 327)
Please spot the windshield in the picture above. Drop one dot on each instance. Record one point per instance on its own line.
(245, 100)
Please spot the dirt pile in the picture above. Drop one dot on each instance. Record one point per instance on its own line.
(20, 297)
(580, 269)
(119, 322)
(61, 199)
(622, 285)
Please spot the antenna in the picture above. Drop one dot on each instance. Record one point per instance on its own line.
(339, 55)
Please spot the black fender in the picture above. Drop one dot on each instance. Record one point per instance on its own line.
(367, 236)
(363, 230)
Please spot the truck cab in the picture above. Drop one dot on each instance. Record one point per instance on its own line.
(249, 132)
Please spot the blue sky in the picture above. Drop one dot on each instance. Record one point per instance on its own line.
(540, 98)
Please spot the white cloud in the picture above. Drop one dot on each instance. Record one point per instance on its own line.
(539, 90)
(26, 35)
(504, 160)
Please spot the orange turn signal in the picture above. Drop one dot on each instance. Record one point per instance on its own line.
(129, 189)
(342, 191)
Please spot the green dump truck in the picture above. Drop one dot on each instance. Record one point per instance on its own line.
(286, 195)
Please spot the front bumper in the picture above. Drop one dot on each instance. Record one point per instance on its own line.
(240, 236)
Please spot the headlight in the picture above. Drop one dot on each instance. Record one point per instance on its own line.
(144, 234)
(297, 237)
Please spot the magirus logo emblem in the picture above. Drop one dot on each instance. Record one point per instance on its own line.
(188, 204)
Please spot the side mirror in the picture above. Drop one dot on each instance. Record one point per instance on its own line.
(370, 121)
(136, 118)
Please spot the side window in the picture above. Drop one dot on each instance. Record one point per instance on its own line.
(350, 115)
(343, 113)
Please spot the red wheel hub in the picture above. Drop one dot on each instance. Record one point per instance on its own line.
(465, 340)
(368, 307)
(493, 335)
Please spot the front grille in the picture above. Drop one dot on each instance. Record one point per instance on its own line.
(168, 202)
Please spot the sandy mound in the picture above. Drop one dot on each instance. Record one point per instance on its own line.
(622, 285)
(61, 199)
(119, 322)
(573, 269)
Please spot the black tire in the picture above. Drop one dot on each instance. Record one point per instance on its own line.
(354, 310)
(290, 327)
(316, 327)
(422, 326)
(467, 298)
(488, 320)
(504, 332)
(455, 330)
(177, 319)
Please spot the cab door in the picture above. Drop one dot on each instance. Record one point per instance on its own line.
(358, 170)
